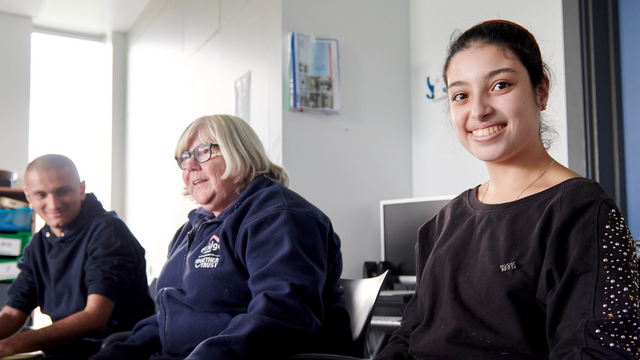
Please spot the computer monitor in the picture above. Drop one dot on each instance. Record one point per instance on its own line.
(399, 223)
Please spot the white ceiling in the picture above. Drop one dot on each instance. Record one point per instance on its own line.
(85, 16)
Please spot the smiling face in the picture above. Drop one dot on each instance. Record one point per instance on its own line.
(203, 182)
(55, 195)
(494, 109)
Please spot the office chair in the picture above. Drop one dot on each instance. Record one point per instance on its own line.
(360, 296)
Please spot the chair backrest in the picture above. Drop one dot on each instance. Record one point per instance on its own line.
(360, 296)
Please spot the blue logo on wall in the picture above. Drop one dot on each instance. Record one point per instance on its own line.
(430, 96)
(437, 91)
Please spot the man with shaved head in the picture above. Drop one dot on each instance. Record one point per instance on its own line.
(84, 269)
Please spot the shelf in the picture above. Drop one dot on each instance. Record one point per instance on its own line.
(14, 193)
(17, 194)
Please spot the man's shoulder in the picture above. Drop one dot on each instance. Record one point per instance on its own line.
(107, 219)
(106, 227)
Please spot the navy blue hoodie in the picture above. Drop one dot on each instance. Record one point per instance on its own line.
(261, 280)
(97, 255)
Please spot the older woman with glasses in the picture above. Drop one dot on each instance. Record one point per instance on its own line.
(254, 272)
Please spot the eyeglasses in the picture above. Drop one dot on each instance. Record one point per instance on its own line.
(202, 154)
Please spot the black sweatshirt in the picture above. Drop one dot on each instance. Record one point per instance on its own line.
(550, 276)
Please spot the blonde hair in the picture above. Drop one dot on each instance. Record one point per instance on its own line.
(241, 148)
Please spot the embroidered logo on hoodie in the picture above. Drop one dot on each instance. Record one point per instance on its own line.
(209, 257)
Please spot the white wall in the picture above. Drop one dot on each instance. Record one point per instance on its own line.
(168, 88)
(441, 166)
(389, 141)
(15, 69)
(346, 164)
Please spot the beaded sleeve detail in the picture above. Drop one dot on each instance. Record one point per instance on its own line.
(619, 306)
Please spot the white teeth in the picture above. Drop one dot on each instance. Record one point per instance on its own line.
(197, 182)
(487, 131)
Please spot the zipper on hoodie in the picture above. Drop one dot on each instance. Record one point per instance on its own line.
(164, 313)
(191, 235)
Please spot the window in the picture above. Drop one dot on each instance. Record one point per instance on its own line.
(70, 109)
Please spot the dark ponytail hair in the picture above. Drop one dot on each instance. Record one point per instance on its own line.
(507, 35)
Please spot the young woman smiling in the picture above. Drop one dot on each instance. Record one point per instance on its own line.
(536, 263)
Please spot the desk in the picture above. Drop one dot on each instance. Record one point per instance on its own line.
(387, 314)
(388, 311)
(392, 302)
(390, 323)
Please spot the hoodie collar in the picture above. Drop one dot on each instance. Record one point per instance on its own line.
(89, 209)
(256, 185)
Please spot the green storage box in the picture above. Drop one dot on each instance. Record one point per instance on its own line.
(9, 269)
(11, 247)
(12, 244)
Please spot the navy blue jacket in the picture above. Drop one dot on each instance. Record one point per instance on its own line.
(261, 280)
(97, 255)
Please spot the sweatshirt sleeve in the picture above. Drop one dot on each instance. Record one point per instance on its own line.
(285, 254)
(145, 336)
(22, 293)
(111, 260)
(143, 342)
(592, 311)
(398, 346)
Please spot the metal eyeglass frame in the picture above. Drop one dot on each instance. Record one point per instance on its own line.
(193, 153)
